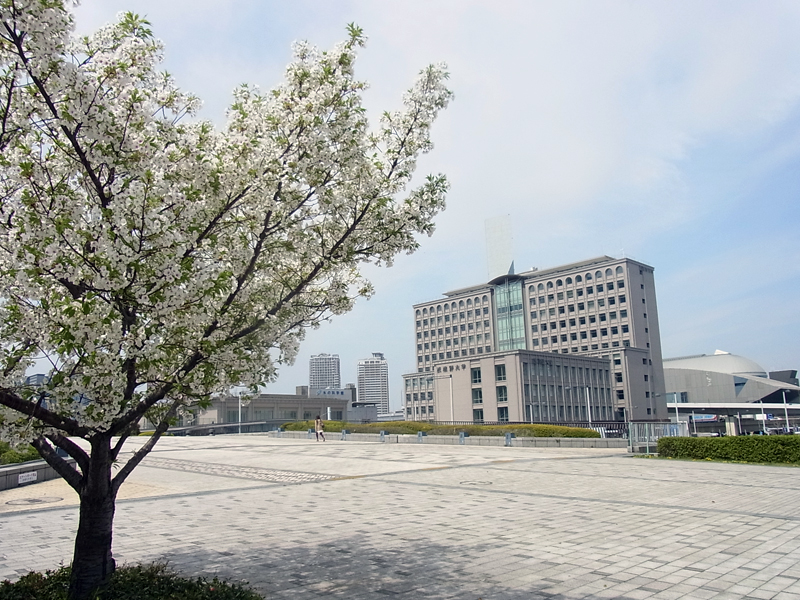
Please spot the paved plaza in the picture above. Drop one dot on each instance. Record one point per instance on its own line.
(304, 520)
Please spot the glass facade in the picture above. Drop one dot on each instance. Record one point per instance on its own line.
(509, 315)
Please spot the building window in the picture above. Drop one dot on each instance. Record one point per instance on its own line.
(620, 395)
(614, 330)
(646, 378)
(475, 373)
(502, 393)
(502, 414)
(624, 329)
(618, 377)
(622, 299)
(500, 372)
(477, 415)
(477, 396)
(580, 305)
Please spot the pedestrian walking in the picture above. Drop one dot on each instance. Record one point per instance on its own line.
(319, 428)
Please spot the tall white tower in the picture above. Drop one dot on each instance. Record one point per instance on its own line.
(373, 381)
(323, 370)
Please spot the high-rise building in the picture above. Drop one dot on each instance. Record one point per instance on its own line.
(602, 308)
(373, 381)
(323, 370)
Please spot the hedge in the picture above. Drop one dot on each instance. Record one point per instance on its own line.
(412, 427)
(10, 456)
(139, 582)
(745, 448)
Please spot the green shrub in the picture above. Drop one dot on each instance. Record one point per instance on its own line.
(746, 448)
(10, 456)
(140, 582)
(412, 427)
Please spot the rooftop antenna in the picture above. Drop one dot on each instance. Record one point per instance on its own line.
(499, 246)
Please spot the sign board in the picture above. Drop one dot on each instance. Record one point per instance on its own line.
(761, 417)
(27, 477)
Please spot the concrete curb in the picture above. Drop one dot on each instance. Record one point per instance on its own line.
(33, 471)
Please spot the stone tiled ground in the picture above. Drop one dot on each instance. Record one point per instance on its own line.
(301, 520)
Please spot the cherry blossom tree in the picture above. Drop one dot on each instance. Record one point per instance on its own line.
(155, 261)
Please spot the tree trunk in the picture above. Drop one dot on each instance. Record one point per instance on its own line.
(92, 562)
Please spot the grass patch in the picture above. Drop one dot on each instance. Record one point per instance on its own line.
(773, 449)
(412, 427)
(139, 582)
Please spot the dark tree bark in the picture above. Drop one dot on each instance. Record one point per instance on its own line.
(92, 562)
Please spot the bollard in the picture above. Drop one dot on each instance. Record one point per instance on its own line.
(509, 437)
(383, 436)
(420, 435)
(462, 435)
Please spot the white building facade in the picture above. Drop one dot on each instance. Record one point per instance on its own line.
(602, 308)
(323, 372)
(373, 381)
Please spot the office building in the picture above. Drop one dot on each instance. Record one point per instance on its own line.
(603, 308)
(323, 371)
(373, 381)
(515, 386)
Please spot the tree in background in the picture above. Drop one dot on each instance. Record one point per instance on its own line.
(155, 261)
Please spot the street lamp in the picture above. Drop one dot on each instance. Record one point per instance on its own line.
(588, 404)
(785, 411)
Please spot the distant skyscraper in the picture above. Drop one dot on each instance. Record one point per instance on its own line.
(323, 371)
(373, 381)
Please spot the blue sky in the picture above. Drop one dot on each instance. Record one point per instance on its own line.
(665, 131)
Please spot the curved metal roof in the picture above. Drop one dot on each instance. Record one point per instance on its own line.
(718, 363)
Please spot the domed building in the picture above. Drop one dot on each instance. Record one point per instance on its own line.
(723, 377)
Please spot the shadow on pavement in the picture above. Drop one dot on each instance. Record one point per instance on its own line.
(348, 568)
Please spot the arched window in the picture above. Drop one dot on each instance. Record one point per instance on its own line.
(578, 279)
(477, 301)
(485, 301)
(588, 277)
(469, 302)
(549, 285)
(424, 312)
(608, 273)
(559, 283)
(532, 289)
(540, 287)
(439, 308)
(619, 270)
(447, 308)
(569, 280)
(418, 313)
(460, 304)
(453, 306)
(598, 275)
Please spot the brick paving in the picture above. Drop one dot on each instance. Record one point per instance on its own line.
(304, 520)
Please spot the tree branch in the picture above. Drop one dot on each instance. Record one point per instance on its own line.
(71, 448)
(62, 467)
(70, 426)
